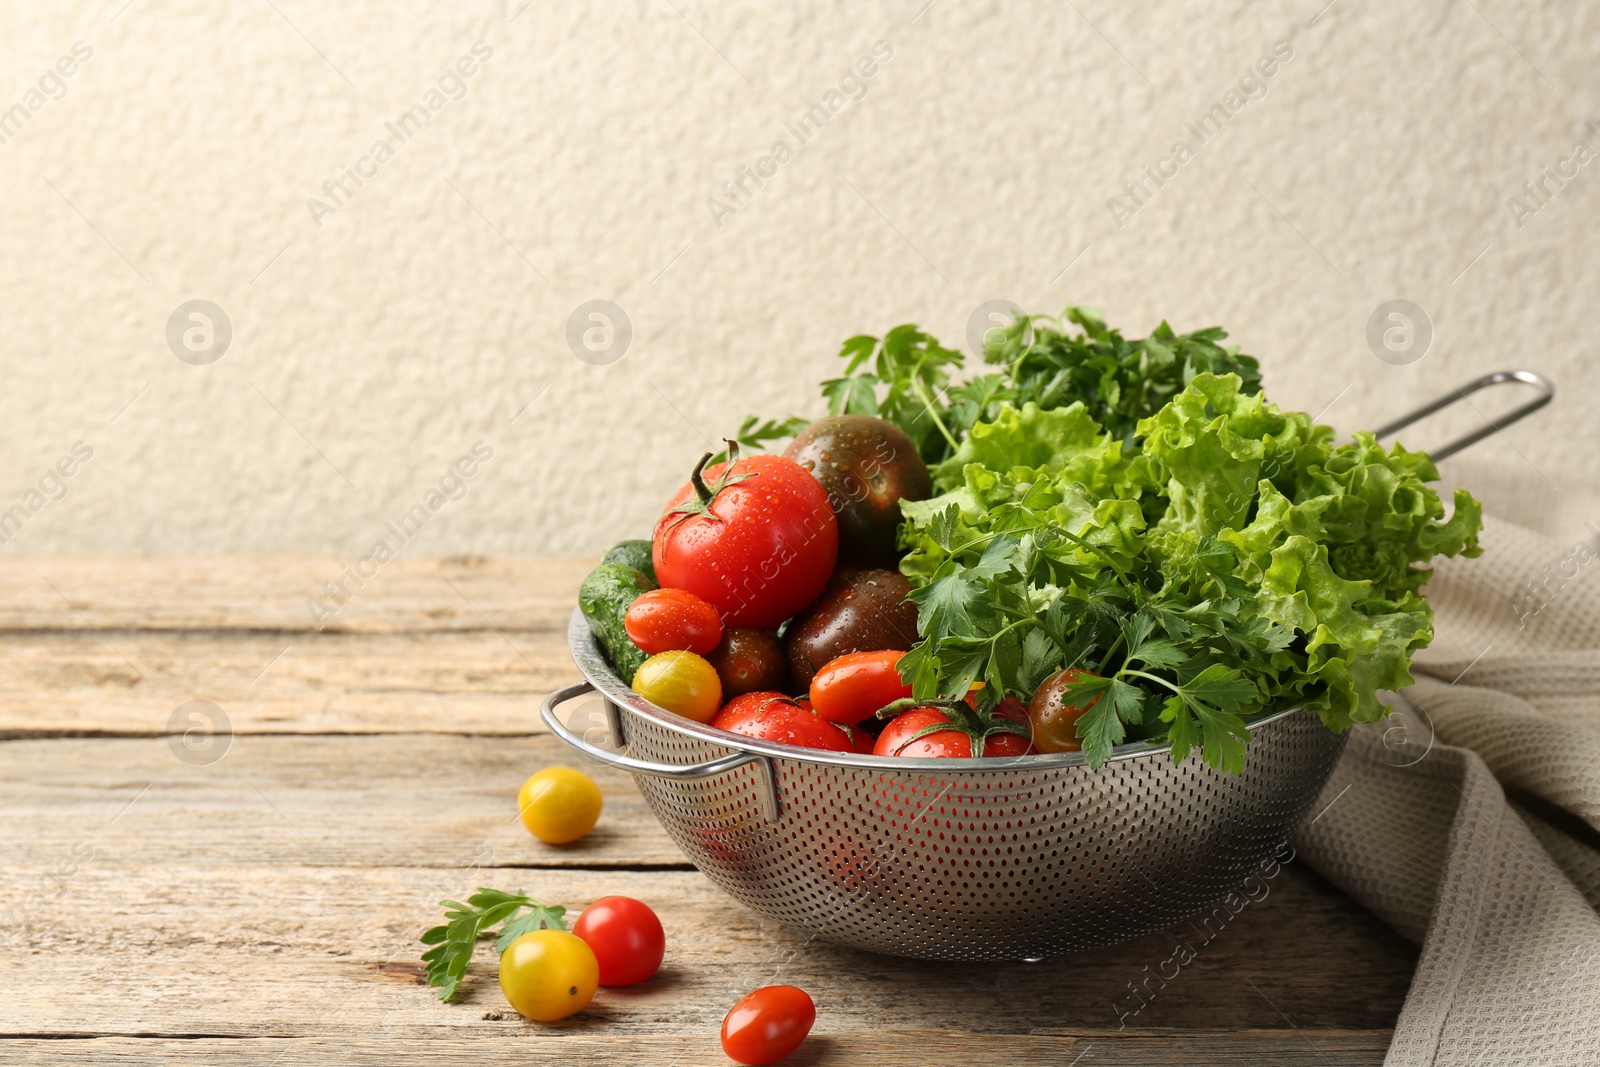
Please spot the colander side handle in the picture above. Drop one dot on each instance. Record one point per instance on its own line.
(766, 778)
(1547, 392)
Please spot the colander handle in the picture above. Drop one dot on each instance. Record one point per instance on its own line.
(1547, 392)
(766, 779)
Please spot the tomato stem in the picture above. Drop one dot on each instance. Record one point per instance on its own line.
(704, 495)
(698, 480)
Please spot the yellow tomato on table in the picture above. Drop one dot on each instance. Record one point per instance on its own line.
(548, 974)
(559, 805)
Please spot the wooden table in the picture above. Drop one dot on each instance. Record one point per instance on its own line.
(255, 897)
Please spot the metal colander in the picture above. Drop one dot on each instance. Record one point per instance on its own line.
(982, 859)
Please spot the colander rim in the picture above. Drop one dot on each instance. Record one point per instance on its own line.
(592, 664)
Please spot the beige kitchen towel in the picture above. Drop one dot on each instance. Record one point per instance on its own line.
(1470, 821)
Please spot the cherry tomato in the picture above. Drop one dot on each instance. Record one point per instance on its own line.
(772, 716)
(860, 740)
(680, 682)
(954, 743)
(559, 805)
(999, 744)
(548, 975)
(626, 937)
(1055, 723)
(854, 686)
(756, 538)
(747, 660)
(946, 744)
(667, 620)
(768, 1024)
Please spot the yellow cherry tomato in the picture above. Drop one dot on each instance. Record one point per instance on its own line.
(548, 974)
(681, 682)
(559, 805)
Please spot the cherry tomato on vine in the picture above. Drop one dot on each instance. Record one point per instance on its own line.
(755, 537)
(772, 716)
(681, 682)
(1055, 723)
(626, 938)
(558, 805)
(668, 620)
(768, 1024)
(854, 686)
(548, 974)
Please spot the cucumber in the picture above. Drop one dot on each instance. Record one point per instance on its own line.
(635, 554)
(604, 597)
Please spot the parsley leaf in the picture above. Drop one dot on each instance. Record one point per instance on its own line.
(453, 943)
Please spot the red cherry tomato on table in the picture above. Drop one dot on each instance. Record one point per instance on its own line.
(772, 716)
(672, 620)
(755, 538)
(768, 1024)
(626, 937)
(854, 686)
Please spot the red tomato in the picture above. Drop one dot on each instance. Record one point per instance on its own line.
(772, 716)
(954, 743)
(672, 620)
(768, 1024)
(860, 740)
(854, 686)
(756, 538)
(626, 937)
(1010, 744)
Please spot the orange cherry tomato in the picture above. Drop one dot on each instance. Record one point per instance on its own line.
(673, 620)
(854, 686)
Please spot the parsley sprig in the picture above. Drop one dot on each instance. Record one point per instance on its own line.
(1009, 608)
(453, 943)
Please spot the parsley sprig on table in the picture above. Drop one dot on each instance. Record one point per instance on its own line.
(453, 943)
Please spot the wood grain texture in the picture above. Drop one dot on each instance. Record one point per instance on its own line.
(269, 592)
(249, 950)
(881, 1048)
(162, 906)
(377, 800)
(131, 683)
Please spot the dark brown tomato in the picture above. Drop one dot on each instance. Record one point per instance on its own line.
(1055, 722)
(862, 612)
(748, 660)
(867, 466)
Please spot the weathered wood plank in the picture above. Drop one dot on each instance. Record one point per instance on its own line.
(885, 1048)
(381, 800)
(269, 592)
(239, 950)
(131, 683)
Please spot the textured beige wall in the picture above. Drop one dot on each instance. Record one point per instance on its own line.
(375, 343)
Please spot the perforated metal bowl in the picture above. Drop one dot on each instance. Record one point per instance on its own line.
(988, 859)
(981, 859)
